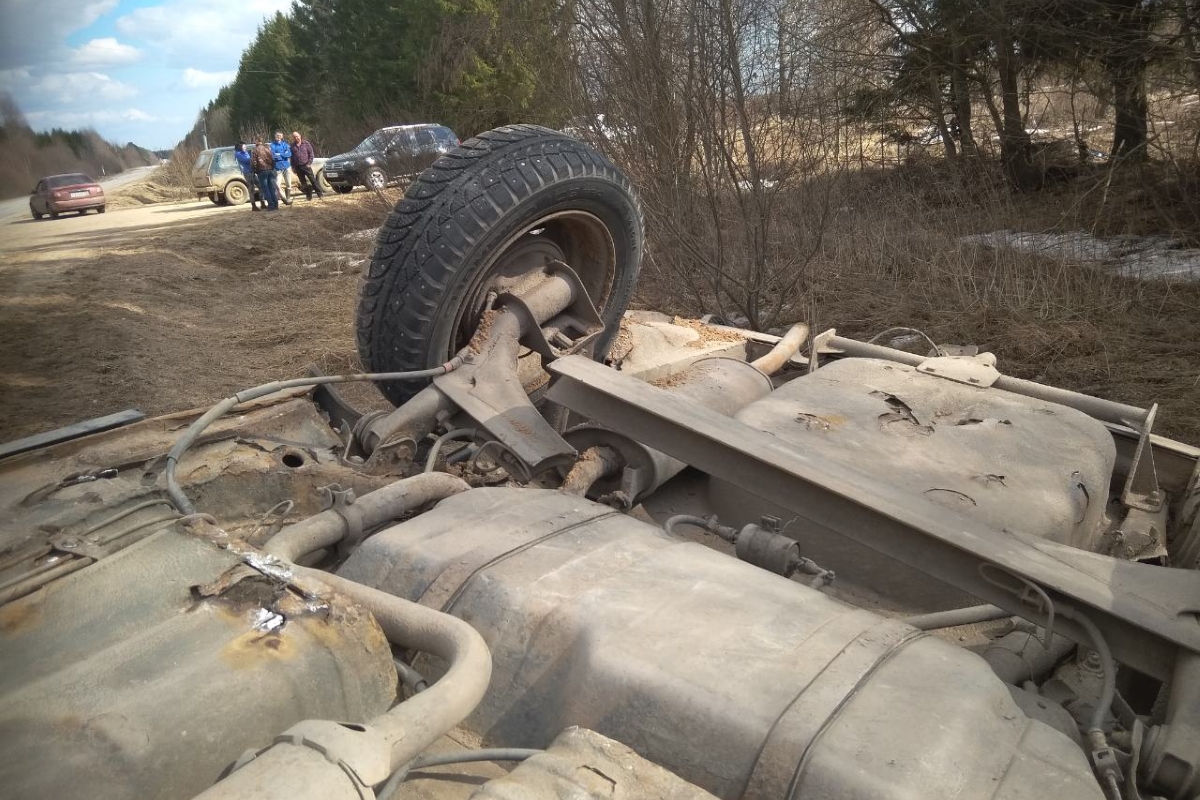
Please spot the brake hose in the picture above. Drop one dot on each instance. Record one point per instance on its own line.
(189, 436)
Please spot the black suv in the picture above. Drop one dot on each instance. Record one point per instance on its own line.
(388, 155)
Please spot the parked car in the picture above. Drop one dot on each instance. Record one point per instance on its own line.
(73, 191)
(389, 155)
(217, 176)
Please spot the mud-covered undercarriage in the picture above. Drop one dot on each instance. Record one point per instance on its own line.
(600, 553)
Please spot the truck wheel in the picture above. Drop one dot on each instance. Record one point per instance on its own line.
(236, 193)
(324, 184)
(214, 198)
(343, 189)
(375, 179)
(504, 203)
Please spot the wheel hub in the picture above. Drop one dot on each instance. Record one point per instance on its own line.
(575, 238)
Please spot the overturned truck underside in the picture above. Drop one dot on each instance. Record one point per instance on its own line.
(593, 553)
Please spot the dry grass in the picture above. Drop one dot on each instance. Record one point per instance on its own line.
(893, 255)
(159, 188)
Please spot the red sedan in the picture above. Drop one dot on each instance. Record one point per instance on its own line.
(55, 194)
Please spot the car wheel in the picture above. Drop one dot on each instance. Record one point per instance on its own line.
(324, 184)
(343, 189)
(375, 179)
(456, 237)
(100, 209)
(236, 193)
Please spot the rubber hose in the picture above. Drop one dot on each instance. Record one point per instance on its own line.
(957, 616)
(436, 450)
(416, 723)
(783, 351)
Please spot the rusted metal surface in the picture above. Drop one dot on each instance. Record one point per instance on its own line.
(279, 449)
(487, 388)
(583, 765)
(1146, 613)
(741, 682)
(147, 673)
(1011, 462)
(1101, 409)
(595, 619)
(724, 384)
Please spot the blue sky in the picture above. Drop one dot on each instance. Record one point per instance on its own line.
(135, 70)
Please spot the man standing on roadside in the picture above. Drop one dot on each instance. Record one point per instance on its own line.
(283, 166)
(302, 159)
(243, 159)
(263, 164)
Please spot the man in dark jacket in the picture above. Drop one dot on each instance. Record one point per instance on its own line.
(263, 163)
(243, 159)
(302, 160)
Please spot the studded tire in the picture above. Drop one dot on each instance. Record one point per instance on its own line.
(516, 188)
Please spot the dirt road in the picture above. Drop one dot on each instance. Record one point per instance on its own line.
(171, 306)
(54, 238)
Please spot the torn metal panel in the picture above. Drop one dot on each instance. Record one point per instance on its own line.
(151, 688)
(1012, 462)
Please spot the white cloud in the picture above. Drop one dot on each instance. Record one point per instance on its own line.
(135, 74)
(79, 119)
(11, 79)
(32, 31)
(199, 79)
(193, 33)
(101, 53)
(73, 87)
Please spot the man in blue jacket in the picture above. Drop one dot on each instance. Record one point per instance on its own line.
(282, 151)
(243, 159)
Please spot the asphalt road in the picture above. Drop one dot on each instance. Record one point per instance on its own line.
(19, 206)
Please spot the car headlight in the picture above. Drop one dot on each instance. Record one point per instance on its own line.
(370, 161)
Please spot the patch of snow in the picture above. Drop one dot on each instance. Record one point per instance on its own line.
(767, 183)
(1133, 256)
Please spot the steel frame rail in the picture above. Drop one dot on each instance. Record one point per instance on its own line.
(1148, 614)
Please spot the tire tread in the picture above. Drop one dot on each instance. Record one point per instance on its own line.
(420, 247)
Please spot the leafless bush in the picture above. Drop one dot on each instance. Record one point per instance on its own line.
(723, 114)
(177, 172)
(28, 157)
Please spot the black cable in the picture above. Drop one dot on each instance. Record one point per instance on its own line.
(189, 436)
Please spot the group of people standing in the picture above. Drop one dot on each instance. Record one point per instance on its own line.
(272, 167)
